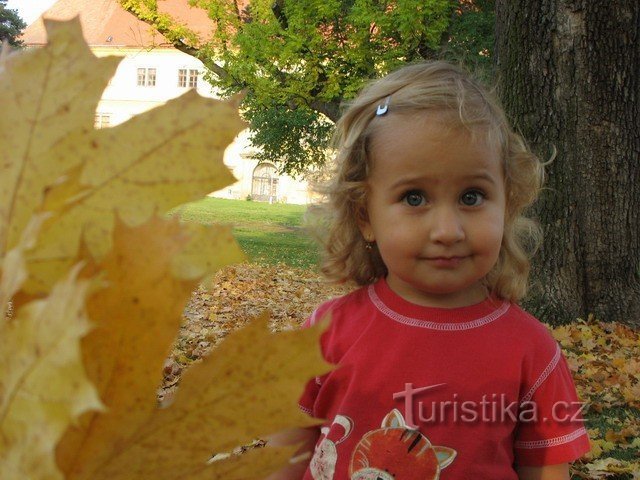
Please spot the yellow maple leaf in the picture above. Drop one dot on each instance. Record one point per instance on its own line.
(144, 173)
(599, 446)
(631, 394)
(103, 192)
(248, 387)
(607, 466)
(621, 436)
(562, 334)
(43, 385)
(136, 318)
(135, 169)
(44, 94)
(13, 265)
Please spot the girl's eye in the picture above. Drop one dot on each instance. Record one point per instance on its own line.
(472, 198)
(414, 198)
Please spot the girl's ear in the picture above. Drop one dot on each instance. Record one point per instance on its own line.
(362, 219)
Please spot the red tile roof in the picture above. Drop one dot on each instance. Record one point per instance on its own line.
(105, 22)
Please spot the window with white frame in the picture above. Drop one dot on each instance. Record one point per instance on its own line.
(187, 78)
(146, 77)
(102, 120)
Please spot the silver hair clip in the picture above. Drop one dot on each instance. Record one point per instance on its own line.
(383, 107)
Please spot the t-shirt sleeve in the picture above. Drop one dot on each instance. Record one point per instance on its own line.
(310, 393)
(551, 427)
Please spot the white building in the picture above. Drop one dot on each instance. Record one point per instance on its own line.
(153, 72)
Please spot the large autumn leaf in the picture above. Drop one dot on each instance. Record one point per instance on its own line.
(103, 194)
(44, 94)
(152, 163)
(247, 388)
(43, 385)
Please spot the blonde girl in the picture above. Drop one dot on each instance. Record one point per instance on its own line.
(440, 373)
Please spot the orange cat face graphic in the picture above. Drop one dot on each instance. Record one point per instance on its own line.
(397, 452)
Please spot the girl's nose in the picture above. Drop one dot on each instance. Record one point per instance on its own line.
(446, 226)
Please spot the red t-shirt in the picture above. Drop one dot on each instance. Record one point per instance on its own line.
(428, 393)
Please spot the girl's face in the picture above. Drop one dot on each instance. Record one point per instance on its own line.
(435, 209)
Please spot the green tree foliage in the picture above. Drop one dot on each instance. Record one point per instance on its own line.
(11, 25)
(299, 60)
(300, 132)
(471, 38)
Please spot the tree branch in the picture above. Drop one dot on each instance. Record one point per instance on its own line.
(330, 109)
(278, 10)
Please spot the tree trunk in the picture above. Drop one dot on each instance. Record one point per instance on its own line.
(569, 77)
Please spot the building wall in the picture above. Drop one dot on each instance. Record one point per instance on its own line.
(123, 98)
(239, 157)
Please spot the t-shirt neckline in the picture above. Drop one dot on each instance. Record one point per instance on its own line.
(438, 318)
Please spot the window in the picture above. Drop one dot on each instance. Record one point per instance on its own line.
(187, 78)
(146, 77)
(102, 120)
(193, 78)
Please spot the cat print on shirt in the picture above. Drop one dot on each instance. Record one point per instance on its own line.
(392, 452)
(397, 452)
(323, 463)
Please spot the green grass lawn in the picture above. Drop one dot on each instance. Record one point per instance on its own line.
(267, 233)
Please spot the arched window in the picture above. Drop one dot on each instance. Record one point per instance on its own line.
(265, 183)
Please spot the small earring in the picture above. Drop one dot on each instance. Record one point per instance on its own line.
(368, 244)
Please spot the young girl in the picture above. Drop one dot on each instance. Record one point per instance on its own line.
(440, 374)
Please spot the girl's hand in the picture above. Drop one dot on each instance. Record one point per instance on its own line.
(546, 472)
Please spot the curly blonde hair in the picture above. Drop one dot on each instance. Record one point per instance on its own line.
(426, 87)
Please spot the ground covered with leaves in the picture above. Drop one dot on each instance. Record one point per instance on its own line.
(603, 357)
(236, 295)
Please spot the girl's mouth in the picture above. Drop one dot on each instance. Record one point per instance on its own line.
(445, 262)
